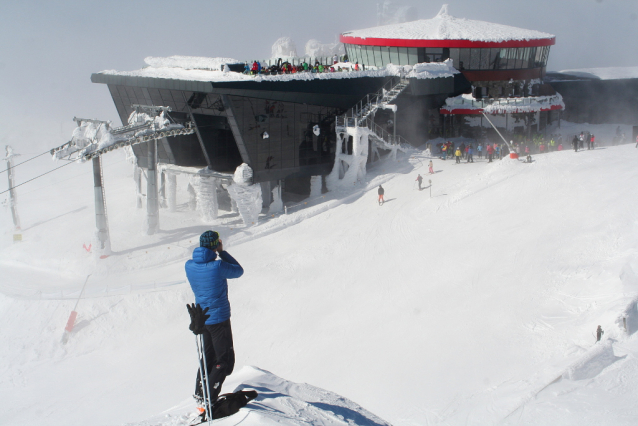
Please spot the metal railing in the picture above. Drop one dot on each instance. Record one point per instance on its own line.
(360, 112)
(483, 103)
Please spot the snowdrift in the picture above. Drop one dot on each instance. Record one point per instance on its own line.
(280, 402)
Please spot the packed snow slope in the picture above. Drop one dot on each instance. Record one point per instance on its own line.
(474, 306)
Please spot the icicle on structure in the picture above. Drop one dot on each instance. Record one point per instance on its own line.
(349, 168)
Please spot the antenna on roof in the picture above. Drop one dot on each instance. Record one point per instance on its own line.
(443, 11)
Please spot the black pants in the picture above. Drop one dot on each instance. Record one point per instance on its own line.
(220, 358)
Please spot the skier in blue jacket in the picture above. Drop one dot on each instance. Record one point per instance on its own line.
(207, 276)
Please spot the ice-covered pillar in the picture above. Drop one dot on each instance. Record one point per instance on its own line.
(137, 175)
(162, 190)
(246, 194)
(356, 161)
(152, 202)
(192, 196)
(171, 191)
(101, 220)
(13, 198)
(207, 204)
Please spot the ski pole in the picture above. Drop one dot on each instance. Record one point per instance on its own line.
(203, 374)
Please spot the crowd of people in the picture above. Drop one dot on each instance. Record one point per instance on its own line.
(285, 67)
(537, 145)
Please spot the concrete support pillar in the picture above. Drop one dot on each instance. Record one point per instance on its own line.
(152, 202)
(101, 220)
(171, 191)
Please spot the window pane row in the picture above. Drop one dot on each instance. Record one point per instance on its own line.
(500, 59)
(464, 59)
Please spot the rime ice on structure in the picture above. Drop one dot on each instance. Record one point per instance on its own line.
(349, 168)
(315, 49)
(284, 47)
(246, 195)
(206, 190)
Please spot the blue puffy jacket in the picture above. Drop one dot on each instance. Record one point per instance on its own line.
(207, 277)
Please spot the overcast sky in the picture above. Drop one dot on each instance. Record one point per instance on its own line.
(48, 49)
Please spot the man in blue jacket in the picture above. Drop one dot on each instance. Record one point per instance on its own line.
(207, 276)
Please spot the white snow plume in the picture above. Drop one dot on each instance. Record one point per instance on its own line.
(315, 49)
(390, 12)
(284, 47)
(280, 402)
(246, 195)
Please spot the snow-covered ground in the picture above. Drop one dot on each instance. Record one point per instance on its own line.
(475, 306)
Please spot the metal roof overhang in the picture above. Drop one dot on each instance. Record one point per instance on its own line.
(330, 92)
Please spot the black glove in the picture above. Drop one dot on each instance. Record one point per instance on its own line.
(198, 318)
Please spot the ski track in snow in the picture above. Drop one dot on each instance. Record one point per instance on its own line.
(475, 306)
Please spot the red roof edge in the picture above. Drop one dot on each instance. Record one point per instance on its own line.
(396, 42)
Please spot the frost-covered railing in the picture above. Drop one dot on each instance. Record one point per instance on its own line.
(93, 138)
(388, 137)
(359, 113)
(460, 101)
(323, 60)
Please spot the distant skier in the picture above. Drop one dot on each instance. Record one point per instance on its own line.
(599, 333)
(581, 140)
(470, 154)
(420, 180)
(457, 154)
(431, 165)
(381, 192)
(592, 141)
(575, 143)
(479, 149)
(207, 276)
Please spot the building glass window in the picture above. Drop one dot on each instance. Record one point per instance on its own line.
(385, 55)
(546, 56)
(403, 56)
(364, 56)
(394, 55)
(378, 61)
(433, 54)
(485, 59)
(475, 59)
(413, 57)
(539, 56)
(511, 58)
(494, 55)
(464, 59)
(353, 54)
(525, 63)
(454, 55)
